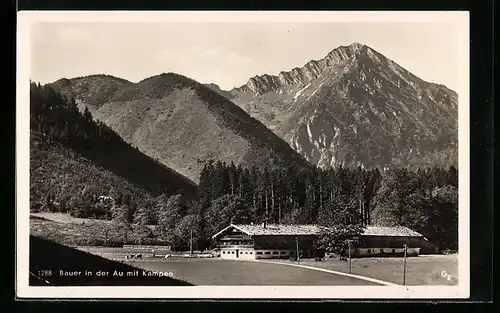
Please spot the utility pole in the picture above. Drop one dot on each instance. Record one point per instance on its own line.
(297, 244)
(363, 213)
(404, 265)
(349, 248)
(191, 244)
(267, 212)
(279, 212)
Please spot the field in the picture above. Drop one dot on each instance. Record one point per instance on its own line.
(71, 231)
(65, 218)
(228, 272)
(423, 270)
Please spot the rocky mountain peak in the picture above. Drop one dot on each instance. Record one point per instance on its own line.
(357, 46)
(356, 107)
(261, 84)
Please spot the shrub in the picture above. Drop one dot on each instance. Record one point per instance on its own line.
(35, 206)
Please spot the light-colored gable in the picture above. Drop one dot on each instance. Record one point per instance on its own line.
(232, 226)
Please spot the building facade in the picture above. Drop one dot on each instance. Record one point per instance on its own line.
(391, 241)
(267, 242)
(251, 242)
(387, 241)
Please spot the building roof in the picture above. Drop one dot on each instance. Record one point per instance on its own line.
(274, 229)
(302, 230)
(392, 231)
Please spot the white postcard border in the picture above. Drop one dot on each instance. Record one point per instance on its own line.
(27, 18)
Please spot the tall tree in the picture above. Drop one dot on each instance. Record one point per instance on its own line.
(443, 220)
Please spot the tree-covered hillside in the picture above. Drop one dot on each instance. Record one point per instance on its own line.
(74, 157)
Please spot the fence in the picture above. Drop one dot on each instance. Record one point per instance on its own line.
(147, 247)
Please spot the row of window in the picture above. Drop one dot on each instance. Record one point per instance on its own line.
(276, 253)
(307, 242)
(242, 252)
(260, 253)
(283, 253)
(227, 243)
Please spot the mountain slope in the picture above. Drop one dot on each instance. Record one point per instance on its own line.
(217, 89)
(184, 124)
(356, 107)
(70, 152)
(91, 91)
(62, 172)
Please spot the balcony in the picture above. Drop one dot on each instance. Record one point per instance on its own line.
(236, 246)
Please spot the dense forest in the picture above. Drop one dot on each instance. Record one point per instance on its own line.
(345, 199)
(425, 200)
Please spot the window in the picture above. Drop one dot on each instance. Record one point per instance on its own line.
(369, 250)
(259, 253)
(393, 250)
(251, 252)
(283, 252)
(267, 252)
(283, 242)
(275, 252)
(232, 252)
(223, 252)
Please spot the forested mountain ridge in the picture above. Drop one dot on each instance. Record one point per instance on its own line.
(183, 124)
(90, 91)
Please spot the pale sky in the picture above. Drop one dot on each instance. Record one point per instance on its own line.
(228, 54)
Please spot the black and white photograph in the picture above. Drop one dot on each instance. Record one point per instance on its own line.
(243, 154)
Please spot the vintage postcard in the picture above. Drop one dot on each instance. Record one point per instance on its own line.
(242, 155)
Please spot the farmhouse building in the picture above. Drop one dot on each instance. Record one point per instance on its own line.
(390, 241)
(283, 241)
(272, 241)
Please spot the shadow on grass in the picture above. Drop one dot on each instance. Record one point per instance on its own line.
(48, 256)
(41, 218)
